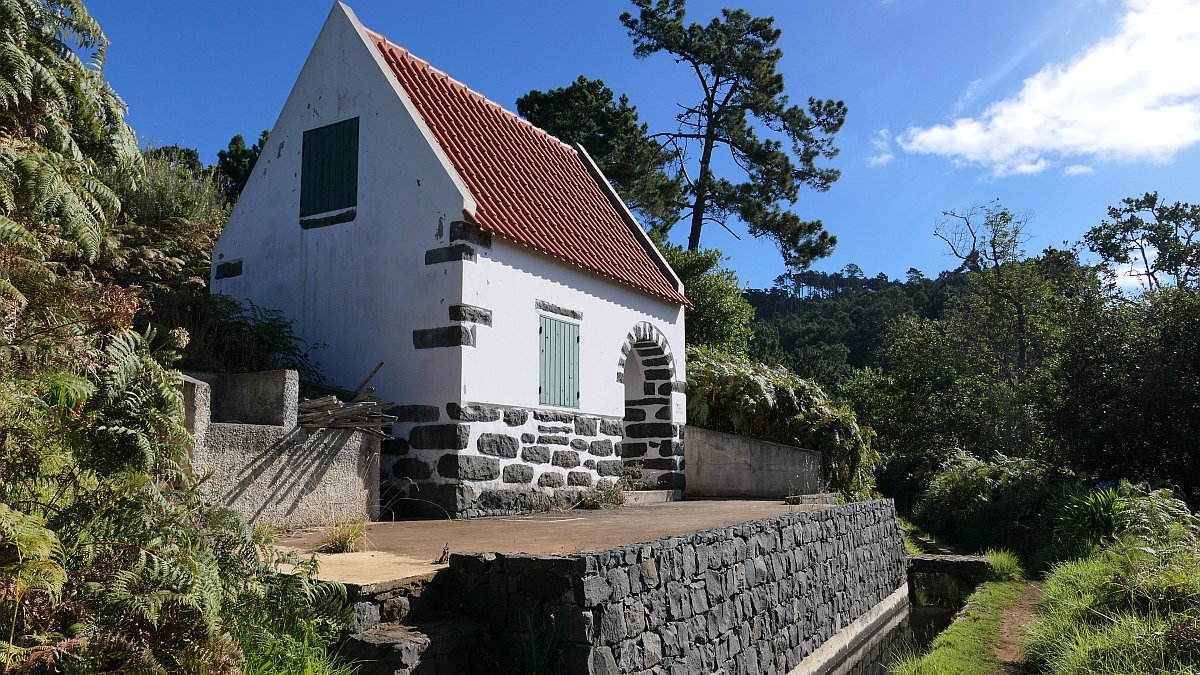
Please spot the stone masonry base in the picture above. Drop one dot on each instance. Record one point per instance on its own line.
(467, 461)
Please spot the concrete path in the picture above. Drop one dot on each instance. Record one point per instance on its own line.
(402, 549)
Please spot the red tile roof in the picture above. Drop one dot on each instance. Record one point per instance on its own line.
(528, 186)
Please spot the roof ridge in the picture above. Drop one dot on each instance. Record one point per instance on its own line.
(454, 81)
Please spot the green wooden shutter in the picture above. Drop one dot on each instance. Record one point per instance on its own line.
(329, 168)
(558, 363)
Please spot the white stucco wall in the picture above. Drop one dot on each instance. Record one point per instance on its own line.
(360, 287)
(503, 365)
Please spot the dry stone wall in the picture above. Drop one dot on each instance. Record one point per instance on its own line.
(748, 599)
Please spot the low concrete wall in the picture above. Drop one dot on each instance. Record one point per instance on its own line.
(753, 598)
(277, 473)
(725, 465)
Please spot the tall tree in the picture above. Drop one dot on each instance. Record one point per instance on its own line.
(235, 163)
(587, 112)
(1159, 242)
(735, 61)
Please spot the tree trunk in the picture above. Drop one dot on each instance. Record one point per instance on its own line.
(701, 203)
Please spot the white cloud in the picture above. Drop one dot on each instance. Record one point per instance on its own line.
(1132, 97)
(968, 95)
(1078, 170)
(882, 142)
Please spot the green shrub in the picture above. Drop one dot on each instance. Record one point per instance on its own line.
(999, 504)
(1130, 607)
(770, 403)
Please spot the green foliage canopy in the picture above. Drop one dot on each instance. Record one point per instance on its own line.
(735, 61)
(720, 316)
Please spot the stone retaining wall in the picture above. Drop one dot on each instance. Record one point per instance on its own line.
(477, 460)
(752, 598)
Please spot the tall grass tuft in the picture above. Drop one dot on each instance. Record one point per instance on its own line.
(1006, 566)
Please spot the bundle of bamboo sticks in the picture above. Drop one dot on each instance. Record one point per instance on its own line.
(361, 414)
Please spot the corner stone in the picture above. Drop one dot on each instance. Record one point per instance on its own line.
(469, 467)
(440, 437)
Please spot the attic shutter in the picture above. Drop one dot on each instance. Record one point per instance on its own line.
(329, 168)
(558, 363)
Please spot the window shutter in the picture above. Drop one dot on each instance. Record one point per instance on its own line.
(558, 363)
(329, 168)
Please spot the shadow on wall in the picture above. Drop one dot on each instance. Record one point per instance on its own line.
(265, 467)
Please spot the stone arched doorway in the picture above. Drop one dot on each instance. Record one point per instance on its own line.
(650, 438)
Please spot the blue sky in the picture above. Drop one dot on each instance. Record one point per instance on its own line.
(1059, 108)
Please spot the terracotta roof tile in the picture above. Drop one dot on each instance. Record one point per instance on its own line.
(528, 186)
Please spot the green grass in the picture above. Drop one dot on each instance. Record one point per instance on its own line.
(269, 652)
(1006, 566)
(1132, 608)
(343, 537)
(967, 647)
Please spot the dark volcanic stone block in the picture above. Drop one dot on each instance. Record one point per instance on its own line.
(447, 336)
(440, 437)
(635, 415)
(602, 448)
(658, 374)
(469, 467)
(650, 430)
(566, 458)
(555, 309)
(232, 268)
(661, 463)
(394, 446)
(515, 417)
(609, 467)
(669, 448)
(579, 478)
(449, 253)
(415, 413)
(551, 480)
(497, 445)
(633, 449)
(610, 427)
(461, 230)
(553, 440)
(537, 454)
(585, 426)
(413, 468)
(664, 413)
(653, 400)
(553, 416)
(472, 413)
(518, 473)
(471, 314)
(579, 444)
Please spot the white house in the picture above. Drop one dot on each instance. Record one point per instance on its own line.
(530, 330)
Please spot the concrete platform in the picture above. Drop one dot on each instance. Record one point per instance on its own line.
(404, 549)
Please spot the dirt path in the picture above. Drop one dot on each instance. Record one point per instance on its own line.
(1013, 623)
